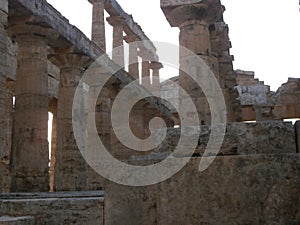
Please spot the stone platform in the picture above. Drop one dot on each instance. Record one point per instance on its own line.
(25, 220)
(52, 208)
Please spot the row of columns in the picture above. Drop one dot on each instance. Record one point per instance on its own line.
(136, 51)
(118, 23)
(30, 147)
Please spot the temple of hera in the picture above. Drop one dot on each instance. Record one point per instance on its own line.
(255, 178)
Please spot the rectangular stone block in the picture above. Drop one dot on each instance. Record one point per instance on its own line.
(168, 3)
(252, 189)
(25, 220)
(240, 139)
(130, 205)
(56, 208)
(262, 137)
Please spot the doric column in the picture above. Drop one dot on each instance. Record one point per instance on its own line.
(70, 166)
(133, 67)
(103, 125)
(118, 50)
(3, 71)
(155, 66)
(4, 103)
(30, 145)
(98, 24)
(145, 72)
(194, 19)
(297, 128)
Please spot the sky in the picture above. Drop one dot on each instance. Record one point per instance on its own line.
(265, 34)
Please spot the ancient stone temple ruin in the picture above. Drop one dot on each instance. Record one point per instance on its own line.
(254, 177)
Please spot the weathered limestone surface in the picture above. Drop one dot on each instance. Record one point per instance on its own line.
(287, 100)
(240, 139)
(297, 128)
(98, 26)
(117, 23)
(259, 103)
(24, 220)
(220, 47)
(60, 35)
(260, 185)
(169, 91)
(30, 144)
(67, 34)
(261, 138)
(166, 3)
(256, 98)
(57, 208)
(155, 67)
(233, 190)
(131, 205)
(3, 72)
(133, 67)
(203, 31)
(53, 80)
(12, 48)
(70, 167)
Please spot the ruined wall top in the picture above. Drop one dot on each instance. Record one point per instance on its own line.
(168, 3)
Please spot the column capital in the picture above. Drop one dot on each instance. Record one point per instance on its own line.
(23, 31)
(131, 38)
(154, 65)
(116, 20)
(97, 1)
(70, 60)
(206, 10)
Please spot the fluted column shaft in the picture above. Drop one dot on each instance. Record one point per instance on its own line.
(4, 104)
(145, 66)
(70, 166)
(145, 72)
(155, 66)
(194, 35)
(30, 144)
(133, 67)
(118, 50)
(193, 21)
(98, 23)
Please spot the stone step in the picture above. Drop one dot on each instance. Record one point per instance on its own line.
(24, 220)
(55, 208)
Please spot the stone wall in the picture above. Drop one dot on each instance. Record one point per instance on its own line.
(270, 137)
(253, 189)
